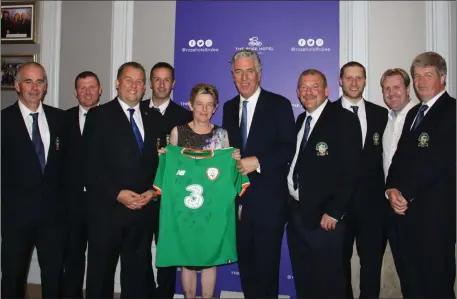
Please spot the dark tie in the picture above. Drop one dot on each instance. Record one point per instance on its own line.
(244, 125)
(355, 109)
(420, 116)
(37, 142)
(302, 148)
(136, 131)
(157, 109)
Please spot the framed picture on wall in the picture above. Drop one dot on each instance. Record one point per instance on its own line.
(10, 65)
(19, 23)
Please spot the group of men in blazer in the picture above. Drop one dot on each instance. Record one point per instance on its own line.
(321, 176)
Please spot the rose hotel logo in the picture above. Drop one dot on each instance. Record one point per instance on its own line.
(310, 45)
(255, 44)
(199, 45)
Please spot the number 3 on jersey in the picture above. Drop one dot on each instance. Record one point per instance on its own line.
(195, 199)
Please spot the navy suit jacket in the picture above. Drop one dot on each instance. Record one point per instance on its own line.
(424, 170)
(29, 196)
(369, 195)
(115, 163)
(272, 140)
(329, 167)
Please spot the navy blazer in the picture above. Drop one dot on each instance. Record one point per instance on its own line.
(115, 163)
(424, 170)
(30, 196)
(369, 195)
(329, 166)
(272, 140)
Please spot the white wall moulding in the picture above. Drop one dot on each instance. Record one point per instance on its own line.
(121, 38)
(438, 34)
(50, 16)
(354, 33)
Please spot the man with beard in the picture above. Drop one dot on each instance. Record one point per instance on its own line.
(367, 211)
(121, 165)
(88, 92)
(162, 81)
(32, 203)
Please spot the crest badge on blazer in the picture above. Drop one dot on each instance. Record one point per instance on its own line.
(322, 149)
(376, 139)
(423, 140)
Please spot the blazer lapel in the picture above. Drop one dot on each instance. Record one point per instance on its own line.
(320, 125)
(257, 119)
(369, 116)
(54, 141)
(125, 128)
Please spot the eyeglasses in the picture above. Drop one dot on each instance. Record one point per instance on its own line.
(313, 88)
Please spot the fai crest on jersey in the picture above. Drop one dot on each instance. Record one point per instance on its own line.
(423, 140)
(322, 149)
(212, 173)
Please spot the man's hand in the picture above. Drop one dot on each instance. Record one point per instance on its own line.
(247, 165)
(398, 203)
(146, 197)
(128, 198)
(236, 154)
(327, 222)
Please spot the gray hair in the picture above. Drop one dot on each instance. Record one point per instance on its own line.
(430, 59)
(24, 66)
(249, 54)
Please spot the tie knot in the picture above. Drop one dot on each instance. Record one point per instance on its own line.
(355, 109)
(308, 119)
(423, 108)
(131, 111)
(85, 113)
(245, 103)
(34, 116)
(156, 109)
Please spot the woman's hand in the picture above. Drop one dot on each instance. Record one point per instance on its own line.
(236, 154)
(162, 150)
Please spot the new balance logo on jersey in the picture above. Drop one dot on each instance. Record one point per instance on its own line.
(181, 172)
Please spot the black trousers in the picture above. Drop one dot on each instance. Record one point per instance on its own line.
(259, 254)
(317, 261)
(425, 260)
(108, 242)
(75, 255)
(17, 248)
(369, 232)
(166, 276)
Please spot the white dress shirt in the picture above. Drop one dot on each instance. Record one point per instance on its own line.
(361, 114)
(136, 115)
(315, 116)
(42, 125)
(392, 134)
(430, 103)
(250, 108)
(82, 118)
(162, 108)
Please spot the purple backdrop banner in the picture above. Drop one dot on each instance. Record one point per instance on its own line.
(290, 36)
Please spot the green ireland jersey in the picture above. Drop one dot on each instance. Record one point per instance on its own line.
(197, 209)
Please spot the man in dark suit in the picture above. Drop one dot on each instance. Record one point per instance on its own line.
(266, 147)
(32, 204)
(88, 92)
(367, 212)
(171, 114)
(162, 82)
(121, 166)
(421, 186)
(321, 181)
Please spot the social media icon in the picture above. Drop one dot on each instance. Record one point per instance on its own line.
(200, 43)
(319, 42)
(208, 43)
(310, 42)
(192, 43)
(302, 42)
